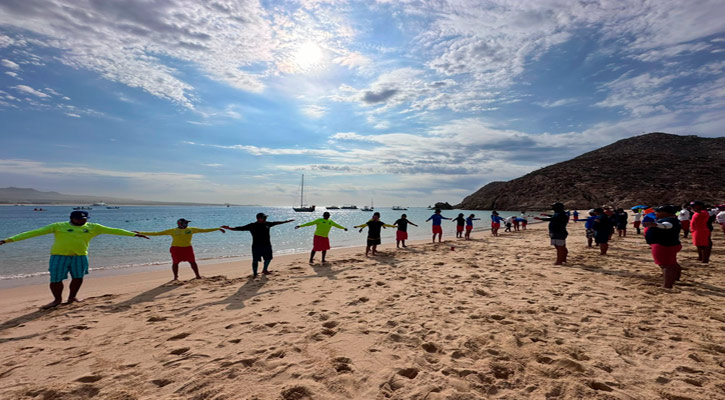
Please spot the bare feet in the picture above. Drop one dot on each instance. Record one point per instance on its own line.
(53, 304)
(266, 272)
(72, 300)
(199, 277)
(176, 278)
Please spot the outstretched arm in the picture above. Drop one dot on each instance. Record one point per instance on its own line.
(104, 230)
(306, 224)
(30, 234)
(338, 226)
(238, 228)
(200, 230)
(280, 222)
(159, 233)
(389, 226)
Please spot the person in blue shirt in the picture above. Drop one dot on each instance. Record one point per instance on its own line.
(437, 229)
(495, 223)
(576, 215)
(589, 227)
(469, 225)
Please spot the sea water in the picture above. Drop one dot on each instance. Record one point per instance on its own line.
(29, 257)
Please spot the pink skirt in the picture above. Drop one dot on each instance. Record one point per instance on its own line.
(320, 243)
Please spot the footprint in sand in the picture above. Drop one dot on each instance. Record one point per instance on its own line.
(179, 336)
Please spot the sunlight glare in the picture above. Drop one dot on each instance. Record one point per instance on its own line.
(308, 56)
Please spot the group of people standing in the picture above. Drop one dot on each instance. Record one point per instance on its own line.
(662, 227)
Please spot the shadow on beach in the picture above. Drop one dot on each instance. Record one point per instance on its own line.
(145, 297)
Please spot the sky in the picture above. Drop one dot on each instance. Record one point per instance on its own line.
(400, 102)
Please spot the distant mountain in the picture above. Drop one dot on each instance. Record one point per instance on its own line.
(13, 195)
(652, 169)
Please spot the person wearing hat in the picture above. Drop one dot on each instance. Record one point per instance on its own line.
(663, 236)
(69, 253)
(261, 243)
(181, 249)
(700, 231)
(320, 240)
(557, 231)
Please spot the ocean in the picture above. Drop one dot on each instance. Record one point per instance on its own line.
(29, 258)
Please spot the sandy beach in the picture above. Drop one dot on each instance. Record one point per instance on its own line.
(489, 318)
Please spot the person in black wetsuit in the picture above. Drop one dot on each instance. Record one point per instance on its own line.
(402, 234)
(460, 225)
(557, 231)
(621, 222)
(261, 244)
(663, 236)
(374, 226)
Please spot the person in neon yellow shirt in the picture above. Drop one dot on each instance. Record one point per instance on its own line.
(321, 241)
(181, 249)
(69, 252)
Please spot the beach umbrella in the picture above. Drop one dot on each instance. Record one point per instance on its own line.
(639, 207)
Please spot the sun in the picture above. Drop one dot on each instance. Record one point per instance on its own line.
(308, 56)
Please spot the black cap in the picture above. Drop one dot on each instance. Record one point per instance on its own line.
(182, 220)
(669, 209)
(557, 206)
(79, 214)
(697, 203)
(261, 215)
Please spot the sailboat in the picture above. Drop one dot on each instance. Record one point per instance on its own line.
(303, 207)
(366, 208)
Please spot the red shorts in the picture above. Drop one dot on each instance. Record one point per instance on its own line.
(179, 254)
(523, 223)
(665, 255)
(437, 229)
(320, 243)
(495, 225)
(469, 228)
(701, 237)
(401, 235)
(637, 224)
(685, 224)
(459, 228)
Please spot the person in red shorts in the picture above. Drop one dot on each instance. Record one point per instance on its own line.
(469, 225)
(663, 236)
(181, 249)
(321, 240)
(460, 225)
(437, 228)
(684, 217)
(402, 234)
(700, 232)
(495, 223)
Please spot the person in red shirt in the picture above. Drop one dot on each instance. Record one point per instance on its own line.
(700, 231)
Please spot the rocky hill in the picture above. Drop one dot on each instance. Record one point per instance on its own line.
(656, 168)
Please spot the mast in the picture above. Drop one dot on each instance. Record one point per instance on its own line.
(302, 191)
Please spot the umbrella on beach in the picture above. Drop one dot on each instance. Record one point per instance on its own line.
(639, 207)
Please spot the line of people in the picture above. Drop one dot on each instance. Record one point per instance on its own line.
(662, 227)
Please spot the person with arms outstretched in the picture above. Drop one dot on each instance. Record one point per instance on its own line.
(402, 234)
(69, 253)
(469, 225)
(374, 226)
(261, 243)
(437, 228)
(181, 249)
(460, 225)
(557, 231)
(321, 241)
(495, 223)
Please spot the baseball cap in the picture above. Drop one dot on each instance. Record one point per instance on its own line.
(79, 214)
(697, 203)
(669, 209)
(261, 215)
(182, 220)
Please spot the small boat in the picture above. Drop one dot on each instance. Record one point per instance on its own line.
(303, 207)
(99, 204)
(113, 207)
(332, 208)
(366, 208)
(349, 207)
(399, 208)
(82, 208)
(39, 209)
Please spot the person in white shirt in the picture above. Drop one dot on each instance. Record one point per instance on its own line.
(684, 217)
(720, 217)
(637, 221)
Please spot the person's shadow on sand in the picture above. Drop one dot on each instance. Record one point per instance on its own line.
(324, 271)
(145, 297)
(250, 289)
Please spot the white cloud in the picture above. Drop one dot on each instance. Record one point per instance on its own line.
(73, 115)
(6, 41)
(28, 90)
(213, 165)
(13, 74)
(315, 112)
(9, 64)
(557, 103)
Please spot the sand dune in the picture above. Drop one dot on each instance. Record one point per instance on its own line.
(492, 318)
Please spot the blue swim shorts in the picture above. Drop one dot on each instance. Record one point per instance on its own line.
(61, 265)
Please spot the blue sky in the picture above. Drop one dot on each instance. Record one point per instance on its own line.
(404, 102)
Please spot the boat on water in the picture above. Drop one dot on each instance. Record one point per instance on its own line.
(39, 209)
(82, 208)
(399, 208)
(303, 207)
(366, 208)
(332, 208)
(349, 207)
(99, 204)
(113, 207)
